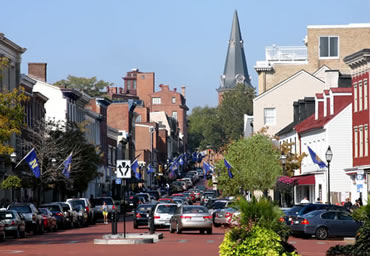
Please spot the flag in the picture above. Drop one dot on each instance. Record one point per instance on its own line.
(228, 167)
(32, 162)
(135, 169)
(194, 157)
(316, 159)
(181, 160)
(67, 165)
(206, 168)
(150, 169)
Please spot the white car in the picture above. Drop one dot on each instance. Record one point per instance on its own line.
(163, 213)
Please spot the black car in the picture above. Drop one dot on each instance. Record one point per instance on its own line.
(141, 214)
(301, 209)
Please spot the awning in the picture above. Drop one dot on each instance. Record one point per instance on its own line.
(305, 179)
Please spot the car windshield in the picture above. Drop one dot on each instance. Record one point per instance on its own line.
(21, 208)
(218, 205)
(6, 215)
(52, 207)
(100, 201)
(65, 207)
(144, 208)
(195, 210)
(77, 202)
(312, 214)
(43, 210)
(169, 209)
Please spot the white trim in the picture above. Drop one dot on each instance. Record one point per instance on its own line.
(351, 25)
(323, 67)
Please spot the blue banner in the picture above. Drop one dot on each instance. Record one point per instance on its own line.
(32, 162)
(67, 166)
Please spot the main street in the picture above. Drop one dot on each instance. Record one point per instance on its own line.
(81, 242)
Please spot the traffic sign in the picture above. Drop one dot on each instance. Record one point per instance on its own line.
(360, 171)
(123, 169)
(359, 177)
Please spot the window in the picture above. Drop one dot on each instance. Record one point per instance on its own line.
(365, 94)
(270, 116)
(329, 46)
(343, 216)
(156, 101)
(356, 142)
(355, 97)
(359, 95)
(328, 216)
(174, 114)
(128, 84)
(173, 100)
(134, 84)
(142, 77)
(361, 141)
(366, 140)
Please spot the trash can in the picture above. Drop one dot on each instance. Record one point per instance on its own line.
(114, 223)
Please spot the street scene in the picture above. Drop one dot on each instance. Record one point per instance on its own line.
(185, 128)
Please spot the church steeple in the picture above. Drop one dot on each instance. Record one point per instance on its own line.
(236, 70)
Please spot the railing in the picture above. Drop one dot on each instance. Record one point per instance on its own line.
(286, 53)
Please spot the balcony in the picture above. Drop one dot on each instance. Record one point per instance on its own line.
(286, 53)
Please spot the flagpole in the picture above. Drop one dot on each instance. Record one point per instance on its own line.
(24, 157)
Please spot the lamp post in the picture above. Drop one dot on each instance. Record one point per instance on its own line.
(13, 159)
(329, 156)
(151, 130)
(283, 161)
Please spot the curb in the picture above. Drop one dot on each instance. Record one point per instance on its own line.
(131, 238)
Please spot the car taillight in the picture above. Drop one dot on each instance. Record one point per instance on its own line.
(33, 217)
(138, 215)
(185, 217)
(113, 207)
(87, 209)
(131, 197)
(228, 215)
(157, 217)
(207, 217)
(305, 222)
(281, 219)
(59, 214)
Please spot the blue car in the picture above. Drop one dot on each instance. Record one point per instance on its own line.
(323, 223)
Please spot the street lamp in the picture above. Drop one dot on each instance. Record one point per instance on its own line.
(329, 156)
(13, 157)
(53, 162)
(283, 161)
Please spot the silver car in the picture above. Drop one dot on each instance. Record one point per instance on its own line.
(191, 217)
(14, 223)
(163, 213)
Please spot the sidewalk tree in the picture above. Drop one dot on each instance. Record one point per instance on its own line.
(91, 86)
(293, 160)
(11, 113)
(255, 165)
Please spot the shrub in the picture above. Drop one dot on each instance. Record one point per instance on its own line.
(259, 241)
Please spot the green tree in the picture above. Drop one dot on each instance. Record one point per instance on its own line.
(255, 162)
(11, 113)
(234, 105)
(91, 86)
(205, 130)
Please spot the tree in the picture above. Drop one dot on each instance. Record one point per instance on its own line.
(255, 162)
(91, 86)
(234, 105)
(293, 161)
(205, 130)
(11, 113)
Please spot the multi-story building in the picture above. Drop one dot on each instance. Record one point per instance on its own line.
(307, 69)
(359, 62)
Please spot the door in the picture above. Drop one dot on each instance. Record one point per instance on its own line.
(345, 225)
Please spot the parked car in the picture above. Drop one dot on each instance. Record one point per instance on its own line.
(87, 207)
(219, 204)
(141, 214)
(57, 211)
(301, 209)
(14, 224)
(323, 223)
(82, 216)
(71, 215)
(50, 222)
(191, 217)
(162, 214)
(33, 219)
(97, 204)
(132, 203)
(206, 195)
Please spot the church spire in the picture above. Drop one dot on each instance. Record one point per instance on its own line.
(236, 70)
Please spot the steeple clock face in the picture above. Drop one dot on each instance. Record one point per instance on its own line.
(239, 78)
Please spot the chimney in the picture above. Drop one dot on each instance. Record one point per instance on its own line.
(296, 111)
(37, 71)
(174, 89)
(331, 79)
(183, 91)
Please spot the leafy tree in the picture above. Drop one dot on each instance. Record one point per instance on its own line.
(234, 105)
(255, 162)
(293, 161)
(11, 113)
(91, 86)
(11, 182)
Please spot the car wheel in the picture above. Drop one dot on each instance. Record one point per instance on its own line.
(321, 233)
(201, 231)
(2, 238)
(178, 229)
(42, 229)
(209, 231)
(17, 235)
(171, 229)
(217, 225)
(135, 225)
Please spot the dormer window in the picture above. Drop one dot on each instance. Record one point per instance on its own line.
(156, 100)
(329, 47)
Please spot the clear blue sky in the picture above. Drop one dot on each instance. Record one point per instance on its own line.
(183, 42)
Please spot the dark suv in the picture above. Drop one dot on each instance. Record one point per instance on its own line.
(300, 209)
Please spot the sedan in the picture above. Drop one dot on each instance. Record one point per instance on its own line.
(323, 224)
(14, 224)
(50, 222)
(224, 216)
(189, 217)
(141, 214)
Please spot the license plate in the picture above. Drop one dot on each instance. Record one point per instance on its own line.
(296, 222)
(131, 204)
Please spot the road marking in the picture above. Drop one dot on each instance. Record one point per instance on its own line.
(321, 243)
(210, 241)
(11, 251)
(183, 241)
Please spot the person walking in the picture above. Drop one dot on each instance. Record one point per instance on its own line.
(348, 204)
(105, 212)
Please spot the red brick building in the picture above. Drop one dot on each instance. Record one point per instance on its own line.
(359, 62)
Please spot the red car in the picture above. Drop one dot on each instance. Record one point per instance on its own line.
(50, 222)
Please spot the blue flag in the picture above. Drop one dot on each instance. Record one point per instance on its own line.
(67, 166)
(316, 159)
(194, 157)
(150, 169)
(181, 161)
(135, 169)
(228, 167)
(206, 168)
(32, 162)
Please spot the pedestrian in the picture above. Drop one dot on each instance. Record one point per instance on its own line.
(305, 201)
(348, 204)
(318, 201)
(359, 201)
(105, 212)
(356, 205)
